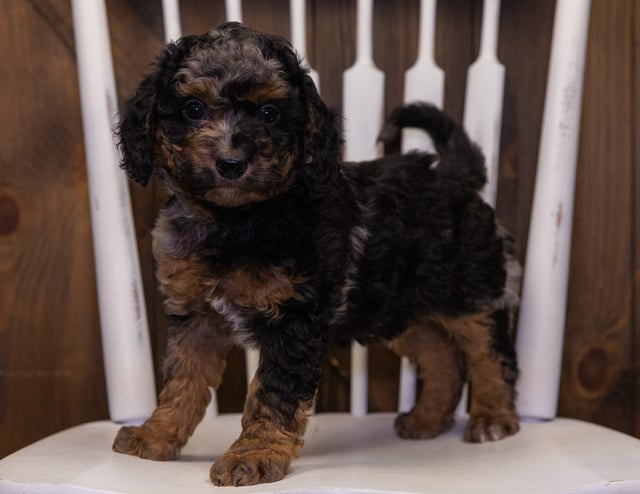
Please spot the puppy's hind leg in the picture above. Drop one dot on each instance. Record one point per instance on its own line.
(486, 341)
(441, 368)
(195, 361)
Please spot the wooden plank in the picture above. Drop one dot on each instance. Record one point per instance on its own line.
(395, 45)
(457, 43)
(269, 16)
(598, 372)
(198, 16)
(50, 362)
(635, 98)
(526, 59)
(332, 44)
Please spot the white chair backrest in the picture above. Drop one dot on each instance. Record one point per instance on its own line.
(127, 354)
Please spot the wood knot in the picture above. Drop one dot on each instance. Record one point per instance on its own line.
(9, 214)
(593, 371)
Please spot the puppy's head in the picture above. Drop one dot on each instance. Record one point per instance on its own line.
(229, 118)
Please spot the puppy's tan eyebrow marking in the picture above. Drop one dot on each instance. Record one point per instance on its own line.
(261, 94)
(205, 88)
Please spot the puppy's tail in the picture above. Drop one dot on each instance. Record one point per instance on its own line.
(460, 158)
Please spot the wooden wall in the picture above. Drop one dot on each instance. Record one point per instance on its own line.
(50, 358)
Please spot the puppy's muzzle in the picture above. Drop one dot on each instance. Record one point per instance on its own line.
(231, 169)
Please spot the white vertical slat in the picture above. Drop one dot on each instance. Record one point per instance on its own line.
(483, 101)
(123, 319)
(408, 385)
(424, 81)
(299, 35)
(212, 408)
(233, 10)
(363, 90)
(171, 19)
(363, 106)
(359, 379)
(544, 295)
(252, 357)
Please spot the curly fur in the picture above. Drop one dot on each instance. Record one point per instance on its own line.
(268, 239)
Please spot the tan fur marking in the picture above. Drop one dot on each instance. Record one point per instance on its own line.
(195, 362)
(263, 94)
(492, 413)
(204, 88)
(265, 289)
(289, 162)
(265, 447)
(441, 368)
(183, 282)
(167, 150)
(473, 335)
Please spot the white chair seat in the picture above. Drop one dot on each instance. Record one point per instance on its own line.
(343, 454)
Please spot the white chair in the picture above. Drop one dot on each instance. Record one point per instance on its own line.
(355, 452)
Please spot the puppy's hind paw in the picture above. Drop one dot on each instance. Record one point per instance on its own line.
(419, 424)
(139, 441)
(483, 428)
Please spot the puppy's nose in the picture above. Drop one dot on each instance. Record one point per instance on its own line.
(231, 169)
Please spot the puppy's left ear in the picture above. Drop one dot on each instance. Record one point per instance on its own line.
(136, 133)
(323, 141)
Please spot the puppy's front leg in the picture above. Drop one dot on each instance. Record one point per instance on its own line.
(270, 439)
(275, 412)
(195, 361)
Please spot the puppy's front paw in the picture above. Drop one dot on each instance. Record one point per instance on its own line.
(140, 441)
(249, 468)
(482, 428)
(420, 424)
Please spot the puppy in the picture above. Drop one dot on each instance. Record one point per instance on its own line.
(268, 239)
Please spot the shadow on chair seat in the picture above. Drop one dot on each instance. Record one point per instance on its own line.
(343, 454)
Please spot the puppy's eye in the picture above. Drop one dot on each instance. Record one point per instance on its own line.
(269, 114)
(194, 109)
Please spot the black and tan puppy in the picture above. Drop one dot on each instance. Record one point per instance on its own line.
(267, 239)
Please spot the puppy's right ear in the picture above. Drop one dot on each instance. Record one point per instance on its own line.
(136, 132)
